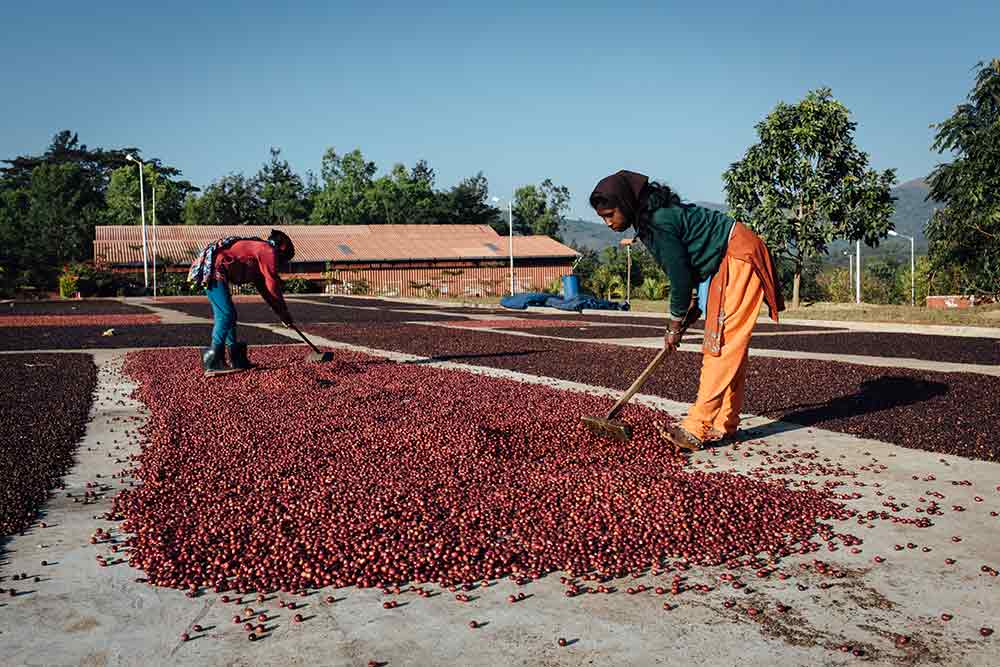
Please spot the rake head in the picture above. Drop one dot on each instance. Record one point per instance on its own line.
(611, 428)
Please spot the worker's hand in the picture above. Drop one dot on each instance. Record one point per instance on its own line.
(672, 336)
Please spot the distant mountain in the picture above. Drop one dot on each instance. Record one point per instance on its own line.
(912, 213)
(587, 234)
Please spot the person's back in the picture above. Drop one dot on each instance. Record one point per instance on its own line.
(239, 261)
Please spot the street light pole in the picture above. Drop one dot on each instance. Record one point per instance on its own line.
(628, 270)
(510, 222)
(913, 267)
(142, 212)
(154, 232)
(857, 275)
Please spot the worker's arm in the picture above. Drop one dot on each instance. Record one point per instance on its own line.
(269, 286)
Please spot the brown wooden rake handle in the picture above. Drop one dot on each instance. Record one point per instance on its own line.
(692, 316)
(308, 342)
(639, 381)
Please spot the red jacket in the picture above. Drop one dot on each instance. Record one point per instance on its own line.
(253, 262)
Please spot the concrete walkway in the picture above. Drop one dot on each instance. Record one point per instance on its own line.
(82, 614)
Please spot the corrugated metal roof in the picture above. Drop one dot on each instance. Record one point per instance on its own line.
(179, 244)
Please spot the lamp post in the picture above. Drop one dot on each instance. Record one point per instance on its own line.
(857, 275)
(850, 267)
(142, 212)
(913, 267)
(155, 178)
(510, 222)
(628, 270)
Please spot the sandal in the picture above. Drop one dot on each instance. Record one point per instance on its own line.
(679, 437)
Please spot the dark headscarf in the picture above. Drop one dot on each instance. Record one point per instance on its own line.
(282, 244)
(624, 190)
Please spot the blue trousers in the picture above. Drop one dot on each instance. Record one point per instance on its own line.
(223, 314)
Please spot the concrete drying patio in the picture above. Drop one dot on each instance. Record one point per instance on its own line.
(80, 613)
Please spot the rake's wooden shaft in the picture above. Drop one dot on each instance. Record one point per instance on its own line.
(308, 342)
(639, 381)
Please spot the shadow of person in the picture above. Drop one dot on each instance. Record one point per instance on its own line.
(873, 396)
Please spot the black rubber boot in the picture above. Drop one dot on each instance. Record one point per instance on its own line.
(213, 360)
(238, 357)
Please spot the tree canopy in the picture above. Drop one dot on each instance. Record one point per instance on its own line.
(50, 203)
(540, 209)
(805, 184)
(965, 234)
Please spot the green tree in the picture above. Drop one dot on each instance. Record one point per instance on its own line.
(96, 164)
(805, 184)
(60, 220)
(346, 180)
(468, 204)
(965, 234)
(403, 197)
(233, 200)
(540, 209)
(124, 205)
(283, 197)
(881, 280)
(13, 228)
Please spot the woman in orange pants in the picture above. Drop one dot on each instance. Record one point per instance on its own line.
(695, 245)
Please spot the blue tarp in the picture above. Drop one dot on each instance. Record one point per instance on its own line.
(525, 299)
(577, 303)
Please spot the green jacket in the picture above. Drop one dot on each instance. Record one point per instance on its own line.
(689, 242)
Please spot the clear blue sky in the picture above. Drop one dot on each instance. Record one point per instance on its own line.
(518, 91)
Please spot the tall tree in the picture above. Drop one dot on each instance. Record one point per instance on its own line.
(965, 234)
(14, 205)
(60, 220)
(540, 209)
(468, 203)
(124, 206)
(234, 199)
(283, 199)
(96, 164)
(403, 197)
(805, 184)
(346, 180)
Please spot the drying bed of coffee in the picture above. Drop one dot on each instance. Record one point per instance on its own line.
(661, 322)
(45, 402)
(581, 330)
(367, 472)
(953, 413)
(71, 307)
(260, 313)
(957, 349)
(362, 302)
(514, 324)
(92, 337)
(106, 320)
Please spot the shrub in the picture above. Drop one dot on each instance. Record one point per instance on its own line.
(68, 284)
(554, 286)
(652, 288)
(297, 285)
(175, 284)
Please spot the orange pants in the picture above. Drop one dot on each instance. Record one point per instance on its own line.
(723, 378)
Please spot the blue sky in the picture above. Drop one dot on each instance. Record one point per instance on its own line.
(520, 91)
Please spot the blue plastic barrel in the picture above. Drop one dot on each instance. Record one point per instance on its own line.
(571, 286)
